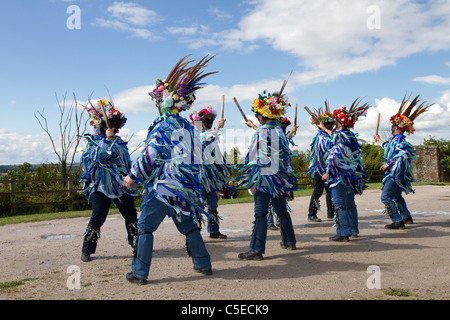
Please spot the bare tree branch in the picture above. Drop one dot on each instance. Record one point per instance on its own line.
(72, 126)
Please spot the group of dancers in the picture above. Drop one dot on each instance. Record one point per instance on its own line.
(182, 180)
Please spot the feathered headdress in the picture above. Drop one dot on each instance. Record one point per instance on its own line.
(348, 118)
(321, 116)
(404, 119)
(177, 92)
(271, 106)
(97, 117)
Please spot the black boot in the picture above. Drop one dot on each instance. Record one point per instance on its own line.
(91, 237)
(395, 225)
(339, 238)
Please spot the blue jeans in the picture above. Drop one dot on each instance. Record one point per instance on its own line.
(153, 213)
(259, 235)
(347, 214)
(392, 197)
(212, 203)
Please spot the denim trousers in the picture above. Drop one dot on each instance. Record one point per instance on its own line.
(347, 214)
(212, 203)
(259, 235)
(392, 196)
(100, 209)
(153, 213)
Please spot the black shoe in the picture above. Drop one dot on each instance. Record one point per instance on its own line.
(85, 257)
(288, 246)
(206, 272)
(339, 238)
(395, 225)
(250, 256)
(131, 278)
(330, 216)
(272, 227)
(408, 220)
(217, 235)
(314, 218)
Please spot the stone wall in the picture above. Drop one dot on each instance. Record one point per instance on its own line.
(428, 166)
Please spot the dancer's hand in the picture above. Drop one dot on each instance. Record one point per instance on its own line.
(128, 182)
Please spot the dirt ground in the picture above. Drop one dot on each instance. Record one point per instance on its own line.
(415, 260)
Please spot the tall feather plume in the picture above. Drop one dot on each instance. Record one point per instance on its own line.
(284, 85)
(195, 74)
(327, 107)
(406, 107)
(175, 75)
(357, 110)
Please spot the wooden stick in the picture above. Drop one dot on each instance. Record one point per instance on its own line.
(295, 117)
(223, 104)
(104, 115)
(378, 124)
(239, 107)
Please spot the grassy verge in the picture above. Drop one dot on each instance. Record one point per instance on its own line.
(87, 213)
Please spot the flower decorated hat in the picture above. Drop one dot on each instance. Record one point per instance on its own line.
(320, 115)
(177, 92)
(348, 118)
(199, 116)
(114, 116)
(271, 106)
(404, 118)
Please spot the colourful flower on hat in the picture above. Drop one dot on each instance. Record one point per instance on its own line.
(403, 122)
(170, 99)
(96, 114)
(341, 116)
(271, 107)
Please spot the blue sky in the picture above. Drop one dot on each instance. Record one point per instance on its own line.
(337, 50)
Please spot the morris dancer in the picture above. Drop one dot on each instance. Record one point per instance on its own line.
(284, 122)
(170, 171)
(398, 167)
(105, 163)
(319, 150)
(214, 166)
(345, 173)
(268, 174)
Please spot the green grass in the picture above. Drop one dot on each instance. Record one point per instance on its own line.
(397, 292)
(12, 284)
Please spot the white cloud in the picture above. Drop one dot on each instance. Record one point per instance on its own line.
(134, 14)
(188, 31)
(19, 148)
(220, 15)
(131, 18)
(135, 100)
(331, 38)
(433, 79)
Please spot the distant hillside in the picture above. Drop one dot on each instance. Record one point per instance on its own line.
(6, 167)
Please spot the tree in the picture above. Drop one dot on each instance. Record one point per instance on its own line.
(72, 126)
